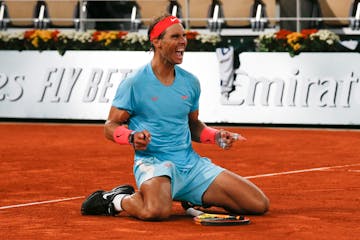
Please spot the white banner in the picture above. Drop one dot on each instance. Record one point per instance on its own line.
(312, 88)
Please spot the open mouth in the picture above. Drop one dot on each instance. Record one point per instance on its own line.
(180, 52)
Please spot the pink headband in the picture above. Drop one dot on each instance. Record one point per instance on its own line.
(162, 25)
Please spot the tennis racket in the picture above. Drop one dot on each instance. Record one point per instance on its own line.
(211, 219)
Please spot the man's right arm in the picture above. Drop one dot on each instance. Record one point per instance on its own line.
(116, 130)
(116, 118)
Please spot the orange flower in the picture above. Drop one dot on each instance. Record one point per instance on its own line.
(122, 34)
(106, 36)
(36, 35)
(44, 35)
(28, 34)
(282, 34)
(54, 35)
(191, 35)
(294, 39)
(308, 32)
(96, 35)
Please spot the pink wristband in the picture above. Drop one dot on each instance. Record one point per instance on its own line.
(121, 135)
(208, 135)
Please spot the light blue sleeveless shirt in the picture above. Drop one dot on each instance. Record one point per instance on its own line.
(163, 111)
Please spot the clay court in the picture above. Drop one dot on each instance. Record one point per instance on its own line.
(310, 175)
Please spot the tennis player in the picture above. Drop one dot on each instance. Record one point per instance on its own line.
(156, 111)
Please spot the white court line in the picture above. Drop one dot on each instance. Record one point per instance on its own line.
(248, 177)
(302, 171)
(42, 202)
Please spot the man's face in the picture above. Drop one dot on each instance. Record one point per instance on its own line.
(173, 44)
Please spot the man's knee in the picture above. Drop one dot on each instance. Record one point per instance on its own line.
(262, 206)
(259, 206)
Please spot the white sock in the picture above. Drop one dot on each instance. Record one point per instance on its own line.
(117, 201)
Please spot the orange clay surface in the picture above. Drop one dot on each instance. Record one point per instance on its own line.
(47, 170)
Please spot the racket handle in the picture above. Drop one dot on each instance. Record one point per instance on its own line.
(193, 212)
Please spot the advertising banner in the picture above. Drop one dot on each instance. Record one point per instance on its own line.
(312, 88)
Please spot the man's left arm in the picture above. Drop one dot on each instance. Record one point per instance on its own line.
(202, 133)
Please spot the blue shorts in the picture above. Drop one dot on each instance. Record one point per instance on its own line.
(186, 184)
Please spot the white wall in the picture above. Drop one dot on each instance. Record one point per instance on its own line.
(312, 88)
